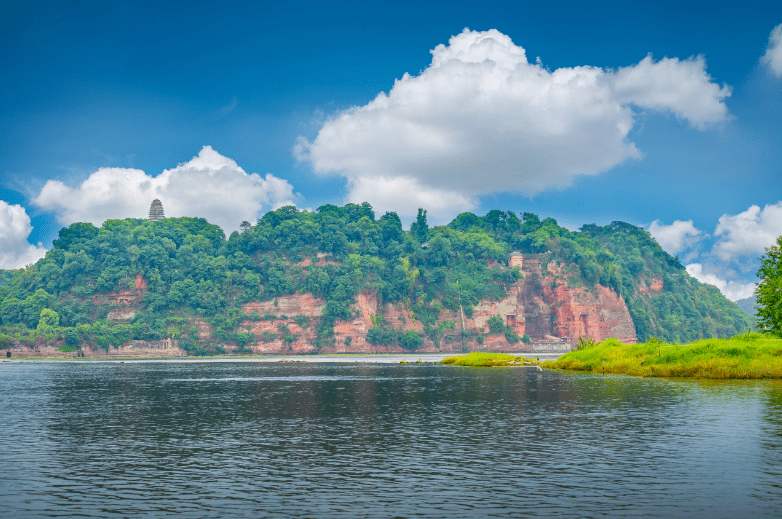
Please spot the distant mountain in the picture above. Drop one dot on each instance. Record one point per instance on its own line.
(748, 305)
(338, 279)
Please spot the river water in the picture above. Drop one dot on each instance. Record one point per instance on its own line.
(261, 439)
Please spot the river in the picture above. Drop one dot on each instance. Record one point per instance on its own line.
(375, 439)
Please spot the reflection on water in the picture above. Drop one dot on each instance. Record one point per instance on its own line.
(380, 440)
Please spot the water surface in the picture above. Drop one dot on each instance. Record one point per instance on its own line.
(259, 439)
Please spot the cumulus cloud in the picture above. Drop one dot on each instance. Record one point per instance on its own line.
(15, 228)
(670, 85)
(405, 195)
(773, 56)
(677, 237)
(749, 232)
(733, 290)
(481, 118)
(210, 186)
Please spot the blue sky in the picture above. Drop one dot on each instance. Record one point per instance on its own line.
(106, 104)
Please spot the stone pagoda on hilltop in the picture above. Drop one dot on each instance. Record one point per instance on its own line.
(156, 211)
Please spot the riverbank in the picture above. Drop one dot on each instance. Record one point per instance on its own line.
(381, 358)
(314, 359)
(746, 356)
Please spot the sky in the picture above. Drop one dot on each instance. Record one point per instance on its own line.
(666, 115)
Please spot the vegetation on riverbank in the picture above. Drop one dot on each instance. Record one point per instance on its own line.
(192, 273)
(488, 360)
(745, 356)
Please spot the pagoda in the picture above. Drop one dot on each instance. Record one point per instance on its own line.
(156, 211)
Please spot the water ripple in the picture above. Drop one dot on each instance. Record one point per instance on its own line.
(325, 440)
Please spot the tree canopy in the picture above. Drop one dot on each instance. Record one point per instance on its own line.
(769, 289)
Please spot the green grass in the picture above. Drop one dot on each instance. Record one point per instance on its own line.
(746, 356)
(487, 360)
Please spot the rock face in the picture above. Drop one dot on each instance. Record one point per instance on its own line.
(123, 303)
(543, 306)
(652, 286)
(281, 314)
(553, 314)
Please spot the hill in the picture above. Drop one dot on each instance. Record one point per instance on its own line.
(748, 305)
(340, 279)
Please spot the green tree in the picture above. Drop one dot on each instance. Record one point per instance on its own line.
(71, 337)
(49, 319)
(769, 290)
(420, 228)
(496, 325)
(410, 340)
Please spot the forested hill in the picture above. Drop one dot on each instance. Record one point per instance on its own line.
(188, 270)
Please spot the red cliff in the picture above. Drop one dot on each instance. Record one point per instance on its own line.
(548, 306)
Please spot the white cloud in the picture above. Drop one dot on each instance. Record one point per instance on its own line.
(481, 119)
(404, 195)
(669, 85)
(674, 238)
(773, 56)
(210, 186)
(733, 290)
(749, 232)
(15, 228)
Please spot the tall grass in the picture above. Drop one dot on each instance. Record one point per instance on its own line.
(747, 356)
(487, 360)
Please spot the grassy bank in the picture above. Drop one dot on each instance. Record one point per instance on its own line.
(747, 356)
(488, 360)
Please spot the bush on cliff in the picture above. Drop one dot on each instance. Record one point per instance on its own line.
(410, 340)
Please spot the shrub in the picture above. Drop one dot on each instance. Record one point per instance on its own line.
(496, 324)
(749, 336)
(381, 335)
(410, 340)
(302, 320)
(585, 342)
(286, 334)
(268, 336)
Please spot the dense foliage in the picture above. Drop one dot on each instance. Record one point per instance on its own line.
(686, 310)
(192, 270)
(769, 290)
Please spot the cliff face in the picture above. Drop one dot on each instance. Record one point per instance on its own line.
(285, 309)
(598, 313)
(124, 303)
(650, 286)
(542, 306)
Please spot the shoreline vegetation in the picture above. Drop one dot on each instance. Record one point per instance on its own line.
(489, 360)
(745, 356)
